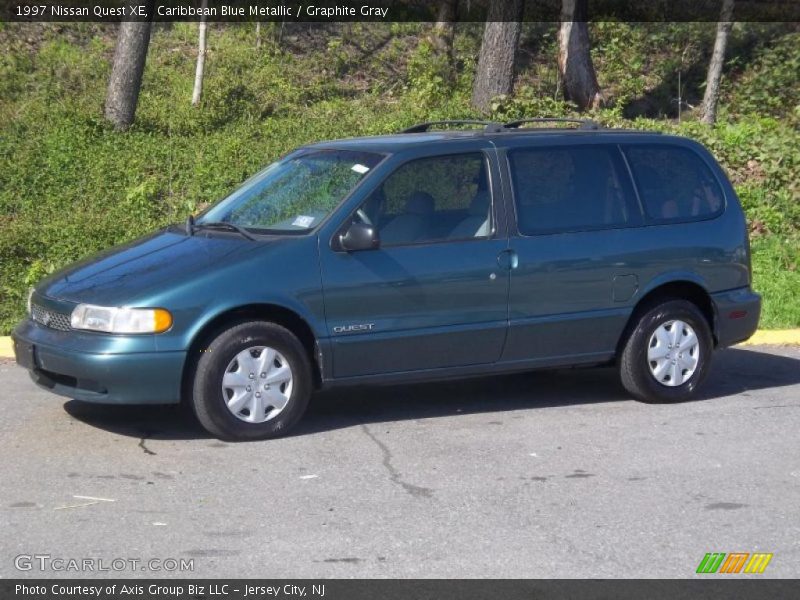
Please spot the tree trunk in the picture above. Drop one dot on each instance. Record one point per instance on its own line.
(126, 74)
(711, 96)
(578, 78)
(444, 33)
(197, 93)
(497, 59)
(445, 23)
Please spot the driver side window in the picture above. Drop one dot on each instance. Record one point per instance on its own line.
(433, 199)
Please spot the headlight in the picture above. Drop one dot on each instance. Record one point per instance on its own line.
(120, 320)
(30, 299)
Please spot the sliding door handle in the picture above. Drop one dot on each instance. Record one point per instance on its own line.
(508, 259)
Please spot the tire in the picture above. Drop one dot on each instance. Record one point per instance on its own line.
(647, 373)
(223, 376)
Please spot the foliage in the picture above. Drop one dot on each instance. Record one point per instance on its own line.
(769, 85)
(776, 272)
(71, 186)
(428, 74)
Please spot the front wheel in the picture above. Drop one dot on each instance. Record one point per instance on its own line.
(252, 382)
(668, 353)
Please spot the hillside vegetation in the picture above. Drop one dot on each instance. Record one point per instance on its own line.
(70, 185)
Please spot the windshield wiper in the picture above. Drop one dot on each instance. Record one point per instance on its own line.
(221, 225)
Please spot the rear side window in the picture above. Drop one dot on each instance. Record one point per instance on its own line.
(674, 183)
(571, 189)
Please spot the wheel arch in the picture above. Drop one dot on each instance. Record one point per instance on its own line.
(689, 289)
(273, 313)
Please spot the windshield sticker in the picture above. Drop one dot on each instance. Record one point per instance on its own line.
(359, 168)
(303, 221)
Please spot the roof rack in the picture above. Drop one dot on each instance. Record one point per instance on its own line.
(494, 127)
(489, 126)
(582, 123)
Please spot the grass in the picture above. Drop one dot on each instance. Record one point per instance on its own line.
(776, 277)
(70, 185)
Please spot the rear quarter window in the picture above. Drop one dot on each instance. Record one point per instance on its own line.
(674, 183)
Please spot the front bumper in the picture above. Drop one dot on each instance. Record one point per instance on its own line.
(737, 314)
(99, 368)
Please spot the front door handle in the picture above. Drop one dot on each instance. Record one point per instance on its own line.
(508, 259)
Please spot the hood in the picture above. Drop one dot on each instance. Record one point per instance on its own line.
(124, 273)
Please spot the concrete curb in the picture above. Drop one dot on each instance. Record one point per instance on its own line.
(765, 337)
(774, 337)
(6, 348)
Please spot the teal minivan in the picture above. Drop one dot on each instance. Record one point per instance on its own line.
(433, 253)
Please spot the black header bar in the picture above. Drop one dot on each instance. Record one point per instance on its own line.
(379, 10)
(708, 587)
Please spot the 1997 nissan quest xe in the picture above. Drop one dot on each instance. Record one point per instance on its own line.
(434, 253)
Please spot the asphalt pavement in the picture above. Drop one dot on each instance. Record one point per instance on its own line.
(547, 474)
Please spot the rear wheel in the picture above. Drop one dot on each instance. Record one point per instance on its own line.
(252, 382)
(668, 353)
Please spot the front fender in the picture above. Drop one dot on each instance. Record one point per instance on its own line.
(262, 306)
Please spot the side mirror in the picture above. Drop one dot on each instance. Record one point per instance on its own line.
(359, 236)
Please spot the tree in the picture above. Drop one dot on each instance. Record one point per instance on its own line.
(126, 74)
(711, 96)
(444, 30)
(197, 92)
(575, 67)
(441, 40)
(497, 60)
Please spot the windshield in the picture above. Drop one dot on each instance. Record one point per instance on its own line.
(295, 193)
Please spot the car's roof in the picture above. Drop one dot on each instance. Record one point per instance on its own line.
(406, 141)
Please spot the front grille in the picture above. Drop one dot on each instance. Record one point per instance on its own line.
(49, 318)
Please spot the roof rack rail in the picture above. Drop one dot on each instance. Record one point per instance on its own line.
(582, 123)
(489, 126)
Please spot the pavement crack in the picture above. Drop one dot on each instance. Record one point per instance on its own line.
(394, 474)
(142, 444)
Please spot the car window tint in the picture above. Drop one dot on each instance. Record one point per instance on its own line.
(674, 183)
(570, 189)
(430, 199)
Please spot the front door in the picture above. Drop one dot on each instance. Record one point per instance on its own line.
(434, 294)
